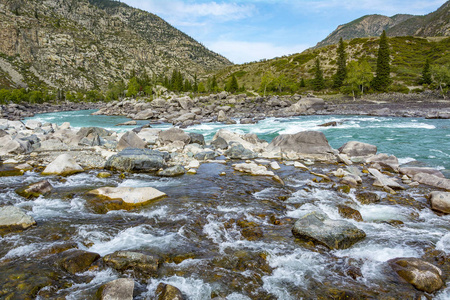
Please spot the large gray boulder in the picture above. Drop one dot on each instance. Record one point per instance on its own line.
(421, 274)
(412, 171)
(432, 180)
(440, 201)
(131, 140)
(63, 165)
(172, 135)
(137, 160)
(334, 234)
(197, 138)
(119, 289)
(237, 151)
(13, 218)
(15, 146)
(305, 142)
(185, 103)
(144, 115)
(384, 162)
(354, 148)
(307, 105)
(138, 263)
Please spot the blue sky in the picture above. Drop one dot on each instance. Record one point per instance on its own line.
(251, 30)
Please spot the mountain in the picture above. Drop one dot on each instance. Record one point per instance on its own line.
(434, 24)
(85, 44)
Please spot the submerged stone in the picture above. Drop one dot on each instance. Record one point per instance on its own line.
(35, 189)
(76, 261)
(140, 264)
(172, 171)
(119, 289)
(334, 234)
(168, 292)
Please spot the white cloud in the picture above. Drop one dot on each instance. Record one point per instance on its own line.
(241, 52)
(182, 12)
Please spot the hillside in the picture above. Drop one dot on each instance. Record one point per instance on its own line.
(86, 44)
(434, 24)
(408, 55)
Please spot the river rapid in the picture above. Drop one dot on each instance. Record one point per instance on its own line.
(230, 235)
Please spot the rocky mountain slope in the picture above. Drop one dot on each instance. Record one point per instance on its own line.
(434, 24)
(85, 44)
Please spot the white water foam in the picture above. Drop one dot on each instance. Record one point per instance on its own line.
(444, 243)
(405, 160)
(193, 288)
(77, 291)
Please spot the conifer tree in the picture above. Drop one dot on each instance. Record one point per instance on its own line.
(232, 84)
(341, 72)
(318, 81)
(302, 83)
(383, 79)
(426, 73)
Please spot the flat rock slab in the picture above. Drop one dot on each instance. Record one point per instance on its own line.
(382, 180)
(142, 265)
(440, 201)
(137, 160)
(412, 171)
(421, 274)
(307, 142)
(13, 218)
(433, 180)
(129, 195)
(334, 234)
(253, 169)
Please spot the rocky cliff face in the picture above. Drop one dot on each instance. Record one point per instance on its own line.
(434, 24)
(85, 44)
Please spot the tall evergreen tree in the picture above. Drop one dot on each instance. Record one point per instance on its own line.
(232, 84)
(383, 79)
(426, 73)
(341, 72)
(318, 81)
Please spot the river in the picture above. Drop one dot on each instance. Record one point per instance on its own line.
(200, 228)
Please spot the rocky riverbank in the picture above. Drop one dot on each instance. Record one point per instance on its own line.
(16, 112)
(356, 168)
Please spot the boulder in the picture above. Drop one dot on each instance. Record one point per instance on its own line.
(91, 131)
(329, 124)
(205, 155)
(127, 261)
(412, 171)
(33, 124)
(349, 213)
(172, 135)
(367, 197)
(137, 160)
(127, 123)
(131, 140)
(63, 165)
(237, 151)
(274, 165)
(384, 162)
(35, 189)
(144, 115)
(354, 148)
(421, 274)
(219, 143)
(13, 218)
(172, 171)
(440, 201)
(307, 104)
(230, 136)
(253, 169)
(119, 289)
(221, 117)
(167, 292)
(76, 261)
(197, 138)
(129, 195)
(185, 103)
(334, 234)
(382, 180)
(305, 142)
(432, 180)
(15, 146)
(53, 144)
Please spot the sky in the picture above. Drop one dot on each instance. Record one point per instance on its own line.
(251, 30)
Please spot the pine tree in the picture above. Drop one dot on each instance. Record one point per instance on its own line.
(302, 83)
(318, 81)
(341, 72)
(232, 84)
(426, 73)
(383, 79)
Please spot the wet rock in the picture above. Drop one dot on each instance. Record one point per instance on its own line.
(63, 165)
(119, 289)
(305, 142)
(334, 234)
(173, 135)
(127, 123)
(382, 180)
(440, 201)
(168, 292)
(354, 148)
(329, 124)
(274, 165)
(131, 140)
(129, 195)
(7, 170)
(253, 169)
(237, 151)
(367, 197)
(76, 261)
(137, 263)
(197, 138)
(349, 213)
(247, 121)
(432, 180)
(172, 171)
(36, 189)
(13, 218)
(205, 155)
(421, 274)
(137, 160)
